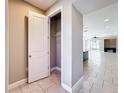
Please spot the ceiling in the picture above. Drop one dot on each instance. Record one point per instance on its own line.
(87, 6)
(94, 13)
(102, 22)
(42, 4)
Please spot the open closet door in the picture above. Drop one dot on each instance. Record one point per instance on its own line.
(38, 57)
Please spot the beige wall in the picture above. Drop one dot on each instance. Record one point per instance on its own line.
(18, 9)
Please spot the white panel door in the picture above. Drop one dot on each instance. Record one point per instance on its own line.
(37, 47)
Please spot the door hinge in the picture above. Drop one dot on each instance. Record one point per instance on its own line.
(48, 37)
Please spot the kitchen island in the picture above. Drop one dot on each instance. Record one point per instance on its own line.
(85, 56)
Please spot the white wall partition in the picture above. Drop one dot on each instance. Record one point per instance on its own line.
(69, 38)
(77, 45)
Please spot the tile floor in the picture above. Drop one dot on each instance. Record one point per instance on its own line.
(51, 84)
(100, 73)
(100, 76)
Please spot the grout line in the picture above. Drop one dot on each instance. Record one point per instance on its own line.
(112, 81)
(41, 87)
(29, 88)
(103, 84)
(21, 89)
(96, 75)
(104, 72)
(91, 87)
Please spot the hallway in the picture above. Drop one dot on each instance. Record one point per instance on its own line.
(100, 73)
(100, 76)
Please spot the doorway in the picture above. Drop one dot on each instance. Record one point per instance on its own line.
(55, 44)
(53, 49)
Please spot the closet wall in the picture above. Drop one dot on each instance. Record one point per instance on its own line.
(55, 38)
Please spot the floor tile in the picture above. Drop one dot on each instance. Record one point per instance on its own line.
(55, 89)
(101, 70)
(17, 90)
(45, 83)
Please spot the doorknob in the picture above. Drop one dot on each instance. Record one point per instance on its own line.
(30, 56)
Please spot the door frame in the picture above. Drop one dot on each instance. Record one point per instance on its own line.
(55, 12)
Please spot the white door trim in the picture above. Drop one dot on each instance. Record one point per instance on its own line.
(7, 48)
(58, 10)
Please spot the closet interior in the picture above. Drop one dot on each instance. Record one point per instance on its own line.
(55, 42)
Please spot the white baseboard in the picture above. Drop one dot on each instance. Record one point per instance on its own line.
(52, 69)
(77, 86)
(18, 83)
(55, 68)
(58, 68)
(67, 88)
